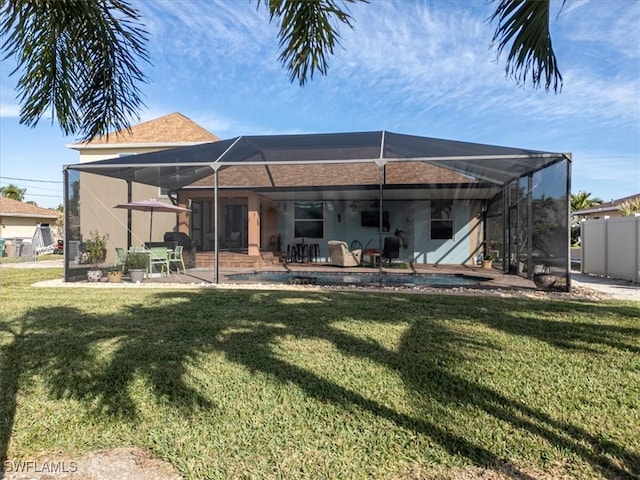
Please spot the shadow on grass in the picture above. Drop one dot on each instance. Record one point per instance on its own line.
(94, 358)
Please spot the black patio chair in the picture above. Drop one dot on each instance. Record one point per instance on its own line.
(391, 248)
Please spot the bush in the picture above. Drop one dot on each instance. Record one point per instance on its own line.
(96, 248)
(136, 261)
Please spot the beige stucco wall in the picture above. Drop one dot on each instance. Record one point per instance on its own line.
(98, 196)
(21, 227)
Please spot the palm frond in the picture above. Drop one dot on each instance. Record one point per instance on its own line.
(309, 32)
(78, 59)
(524, 24)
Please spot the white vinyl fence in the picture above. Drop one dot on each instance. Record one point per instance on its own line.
(611, 247)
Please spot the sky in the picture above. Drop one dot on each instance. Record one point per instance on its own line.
(415, 67)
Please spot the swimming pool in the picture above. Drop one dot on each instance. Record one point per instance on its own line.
(340, 278)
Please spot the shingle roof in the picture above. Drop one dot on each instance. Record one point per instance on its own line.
(401, 173)
(13, 208)
(172, 128)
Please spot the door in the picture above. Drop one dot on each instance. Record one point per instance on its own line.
(201, 230)
(235, 234)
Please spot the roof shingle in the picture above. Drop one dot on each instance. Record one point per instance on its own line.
(172, 128)
(15, 208)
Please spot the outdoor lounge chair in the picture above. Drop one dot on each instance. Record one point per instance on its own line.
(340, 256)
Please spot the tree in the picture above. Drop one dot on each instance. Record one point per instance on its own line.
(580, 201)
(80, 59)
(583, 200)
(13, 191)
(630, 207)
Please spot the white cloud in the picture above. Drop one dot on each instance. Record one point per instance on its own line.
(9, 110)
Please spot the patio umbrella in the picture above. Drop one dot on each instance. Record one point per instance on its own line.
(152, 205)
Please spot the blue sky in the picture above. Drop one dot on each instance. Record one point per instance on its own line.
(422, 68)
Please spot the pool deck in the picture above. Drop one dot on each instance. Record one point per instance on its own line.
(496, 278)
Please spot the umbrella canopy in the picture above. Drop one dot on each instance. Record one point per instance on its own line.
(152, 205)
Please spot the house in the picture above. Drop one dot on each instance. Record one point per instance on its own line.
(101, 194)
(607, 209)
(451, 200)
(18, 221)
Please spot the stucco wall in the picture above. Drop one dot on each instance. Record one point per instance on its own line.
(342, 222)
(100, 194)
(21, 227)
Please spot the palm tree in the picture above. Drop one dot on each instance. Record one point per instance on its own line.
(580, 201)
(583, 200)
(13, 191)
(81, 59)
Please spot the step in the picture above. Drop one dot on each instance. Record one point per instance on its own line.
(237, 260)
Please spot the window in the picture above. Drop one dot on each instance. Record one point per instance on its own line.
(309, 220)
(441, 219)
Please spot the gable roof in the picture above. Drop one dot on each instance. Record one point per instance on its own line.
(14, 208)
(611, 206)
(174, 128)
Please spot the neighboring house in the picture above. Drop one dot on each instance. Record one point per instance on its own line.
(100, 194)
(608, 209)
(18, 221)
(279, 190)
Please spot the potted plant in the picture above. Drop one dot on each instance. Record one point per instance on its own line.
(114, 274)
(96, 251)
(136, 264)
(487, 261)
(543, 278)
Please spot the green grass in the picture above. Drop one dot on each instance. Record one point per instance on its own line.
(300, 384)
(39, 258)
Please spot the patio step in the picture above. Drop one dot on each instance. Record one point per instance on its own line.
(237, 260)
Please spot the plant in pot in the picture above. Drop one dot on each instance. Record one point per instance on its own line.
(487, 261)
(96, 251)
(114, 274)
(543, 278)
(136, 264)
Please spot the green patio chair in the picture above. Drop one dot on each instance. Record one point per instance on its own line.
(176, 257)
(121, 258)
(159, 256)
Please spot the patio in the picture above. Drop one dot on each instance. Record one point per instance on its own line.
(454, 203)
(487, 279)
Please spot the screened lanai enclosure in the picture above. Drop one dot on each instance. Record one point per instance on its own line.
(446, 202)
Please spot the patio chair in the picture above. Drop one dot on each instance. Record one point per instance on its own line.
(121, 258)
(391, 248)
(159, 256)
(339, 254)
(176, 257)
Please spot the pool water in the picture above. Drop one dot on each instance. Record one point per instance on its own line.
(339, 278)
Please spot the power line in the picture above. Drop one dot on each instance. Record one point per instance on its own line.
(32, 188)
(42, 195)
(32, 180)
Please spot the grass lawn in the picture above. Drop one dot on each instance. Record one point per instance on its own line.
(295, 384)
